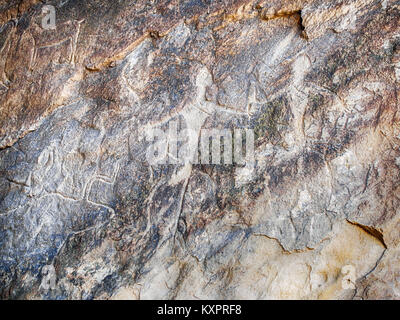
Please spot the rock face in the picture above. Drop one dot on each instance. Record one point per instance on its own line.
(314, 214)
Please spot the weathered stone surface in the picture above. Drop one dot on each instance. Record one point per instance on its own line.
(318, 83)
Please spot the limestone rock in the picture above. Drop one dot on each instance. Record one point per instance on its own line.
(85, 215)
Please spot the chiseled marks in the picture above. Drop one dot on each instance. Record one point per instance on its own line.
(107, 182)
(64, 40)
(299, 97)
(52, 176)
(195, 113)
(135, 73)
(70, 161)
(198, 109)
(4, 50)
(51, 167)
(274, 57)
(165, 201)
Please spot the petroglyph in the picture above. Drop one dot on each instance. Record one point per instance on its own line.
(316, 81)
(4, 50)
(64, 43)
(299, 96)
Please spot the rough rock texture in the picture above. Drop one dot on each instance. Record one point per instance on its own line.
(318, 81)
